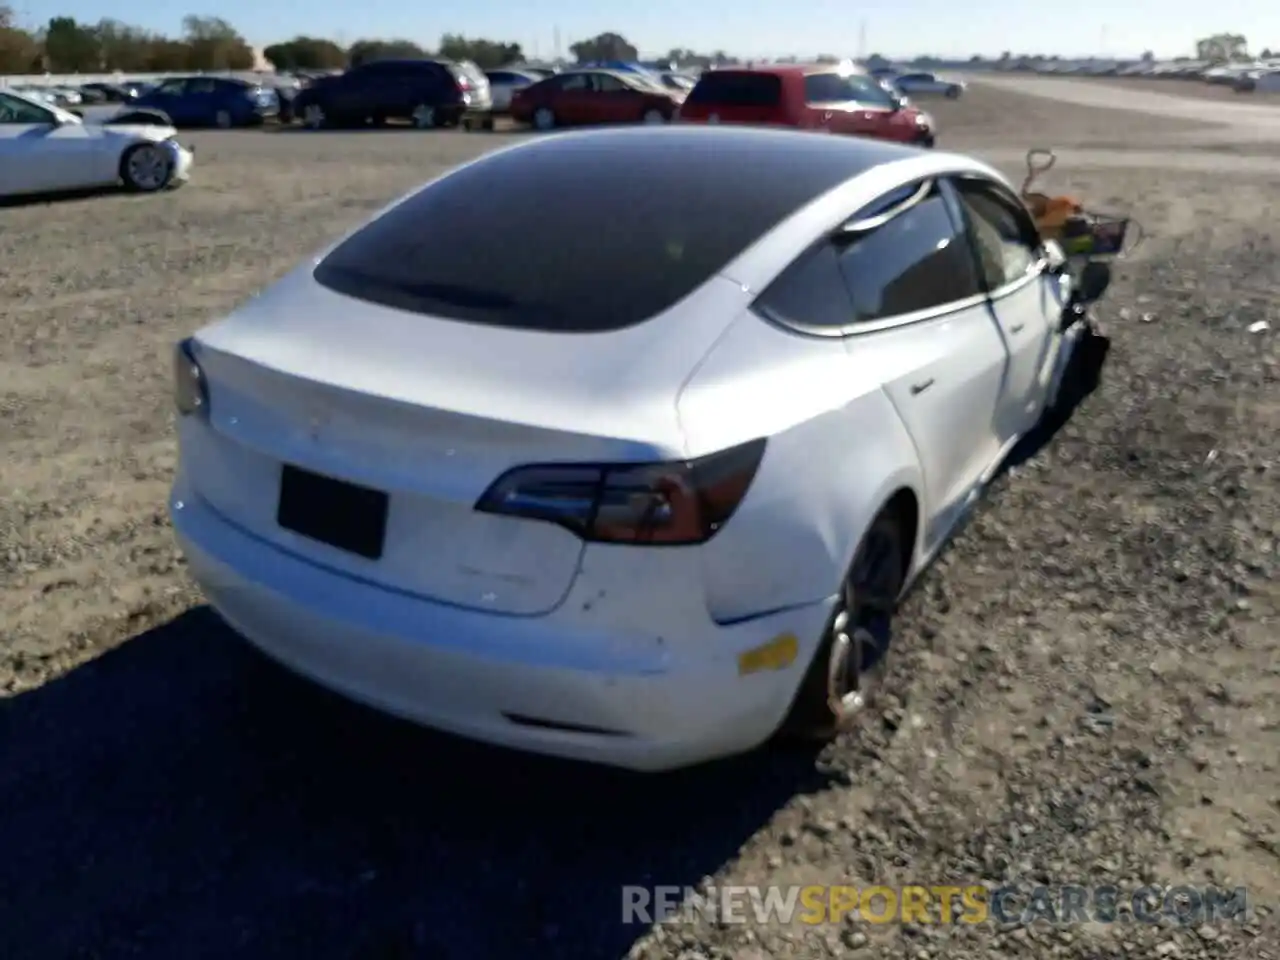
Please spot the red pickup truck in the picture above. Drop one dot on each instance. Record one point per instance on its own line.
(823, 98)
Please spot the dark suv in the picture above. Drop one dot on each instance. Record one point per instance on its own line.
(429, 93)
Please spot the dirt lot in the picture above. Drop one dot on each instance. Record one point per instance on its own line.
(1087, 691)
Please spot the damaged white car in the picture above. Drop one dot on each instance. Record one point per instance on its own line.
(637, 496)
(45, 149)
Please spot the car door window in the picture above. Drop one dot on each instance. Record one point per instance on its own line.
(916, 260)
(1003, 236)
(906, 256)
(171, 88)
(865, 90)
(833, 88)
(825, 88)
(14, 110)
(203, 85)
(575, 83)
(607, 84)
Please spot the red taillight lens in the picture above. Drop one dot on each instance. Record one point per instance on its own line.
(670, 504)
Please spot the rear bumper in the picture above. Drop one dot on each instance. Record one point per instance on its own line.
(567, 684)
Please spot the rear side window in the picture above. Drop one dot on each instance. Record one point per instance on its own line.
(737, 88)
(617, 243)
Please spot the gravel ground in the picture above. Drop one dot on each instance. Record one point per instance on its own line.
(1085, 690)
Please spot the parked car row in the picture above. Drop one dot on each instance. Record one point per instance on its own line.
(429, 93)
(1244, 76)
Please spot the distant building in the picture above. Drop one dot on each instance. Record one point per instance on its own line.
(1222, 47)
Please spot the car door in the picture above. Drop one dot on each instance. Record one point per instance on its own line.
(899, 284)
(201, 101)
(856, 106)
(24, 127)
(357, 95)
(170, 96)
(571, 98)
(825, 101)
(1023, 295)
(923, 326)
(614, 101)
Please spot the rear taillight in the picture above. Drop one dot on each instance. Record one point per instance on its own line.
(678, 503)
(464, 83)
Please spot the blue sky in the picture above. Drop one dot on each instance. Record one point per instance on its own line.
(744, 27)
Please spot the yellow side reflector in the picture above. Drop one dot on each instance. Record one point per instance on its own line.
(778, 654)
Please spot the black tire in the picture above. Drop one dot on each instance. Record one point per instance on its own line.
(953, 93)
(134, 180)
(858, 638)
(142, 115)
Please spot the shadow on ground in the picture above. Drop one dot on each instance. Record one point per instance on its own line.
(62, 196)
(183, 797)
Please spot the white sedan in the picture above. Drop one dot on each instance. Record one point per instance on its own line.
(45, 149)
(639, 496)
(927, 84)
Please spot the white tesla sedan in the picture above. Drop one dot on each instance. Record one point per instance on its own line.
(647, 490)
(45, 149)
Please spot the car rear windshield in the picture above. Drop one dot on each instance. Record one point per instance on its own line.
(737, 88)
(619, 233)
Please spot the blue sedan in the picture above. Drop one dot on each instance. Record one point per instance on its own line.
(211, 102)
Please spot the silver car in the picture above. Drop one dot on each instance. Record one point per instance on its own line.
(918, 84)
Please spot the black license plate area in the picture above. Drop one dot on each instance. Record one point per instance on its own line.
(343, 515)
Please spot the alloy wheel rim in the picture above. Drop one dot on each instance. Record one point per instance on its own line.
(543, 119)
(861, 628)
(424, 117)
(313, 115)
(223, 119)
(148, 167)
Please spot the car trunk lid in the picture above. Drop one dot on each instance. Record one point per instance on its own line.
(431, 412)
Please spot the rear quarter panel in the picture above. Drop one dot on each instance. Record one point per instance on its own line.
(837, 451)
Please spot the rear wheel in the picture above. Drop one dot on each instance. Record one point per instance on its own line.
(222, 120)
(848, 668)
(953, 93)
(653, 117)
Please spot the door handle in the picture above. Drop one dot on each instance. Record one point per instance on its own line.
(1017, 328)
(919, 388)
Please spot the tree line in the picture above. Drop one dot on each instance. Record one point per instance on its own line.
(67, 45)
